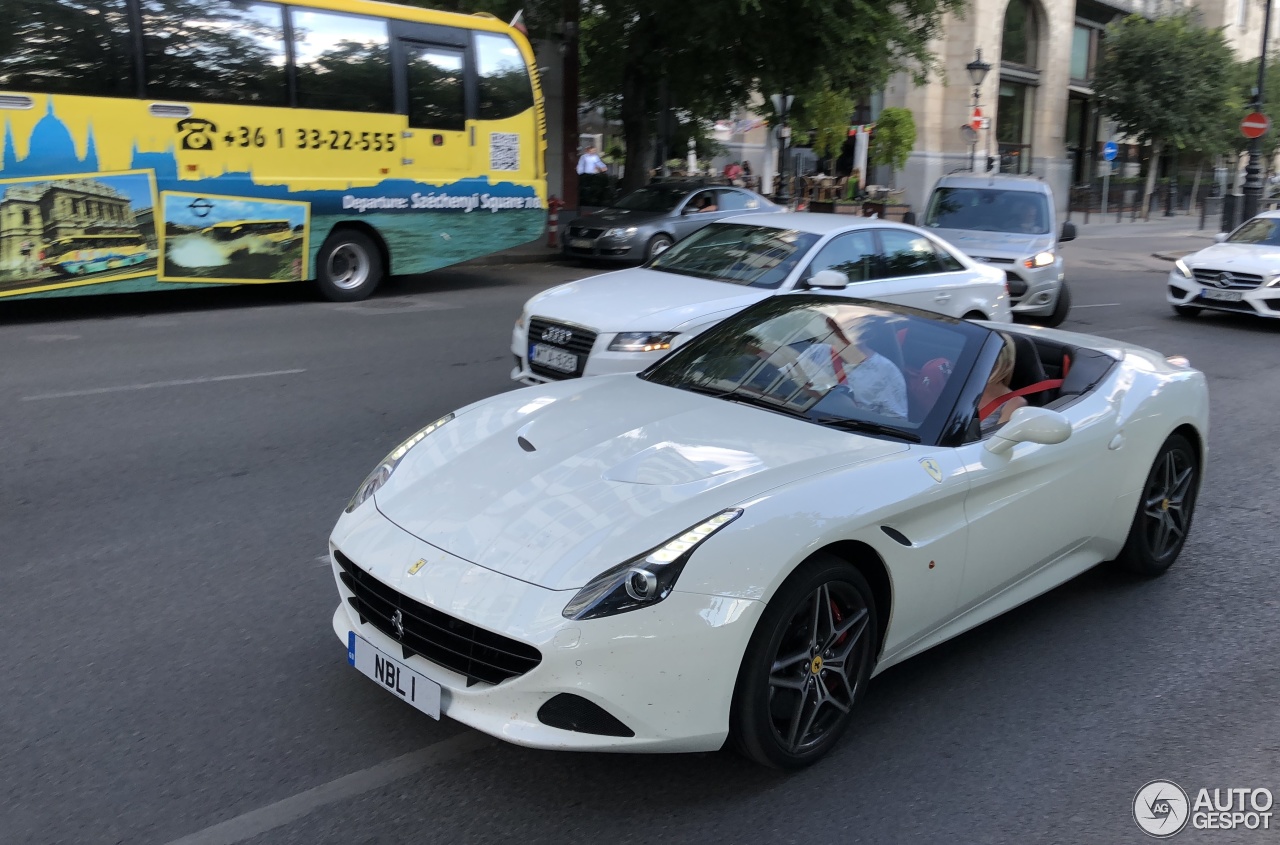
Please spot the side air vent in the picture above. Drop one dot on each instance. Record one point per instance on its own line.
(16, 101)
(169, 110)
(896, 535)
(574, 713)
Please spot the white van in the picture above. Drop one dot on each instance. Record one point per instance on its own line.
(1009, 222)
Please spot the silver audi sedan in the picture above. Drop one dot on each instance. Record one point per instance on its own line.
(645, 222)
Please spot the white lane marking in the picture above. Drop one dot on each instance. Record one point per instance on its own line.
(257, 822)
(94, 391)
(1098, 305)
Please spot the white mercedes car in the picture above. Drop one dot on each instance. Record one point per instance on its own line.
(728, 545)
(1240, 273)
(622, 322)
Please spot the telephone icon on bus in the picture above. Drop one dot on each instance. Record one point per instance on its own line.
(197, 133)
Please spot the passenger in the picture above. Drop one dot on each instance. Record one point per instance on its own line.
(998, 386)
(1026, 219)
(706, 202)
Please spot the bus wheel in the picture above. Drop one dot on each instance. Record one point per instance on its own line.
(349, 266)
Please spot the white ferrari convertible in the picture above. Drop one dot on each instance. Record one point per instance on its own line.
(730, 544)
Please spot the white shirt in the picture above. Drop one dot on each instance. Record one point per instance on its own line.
(876, 384)
(590, 163)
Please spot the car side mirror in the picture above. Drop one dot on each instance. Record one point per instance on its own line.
(1220, 237)
(1030, 425)
(829, 280)
(1068, 232)
(688, 209)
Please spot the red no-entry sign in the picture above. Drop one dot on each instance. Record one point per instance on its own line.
(1255, 125)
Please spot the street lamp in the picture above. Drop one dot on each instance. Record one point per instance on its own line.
(782, 105)
(1253, 171)
(977, 72)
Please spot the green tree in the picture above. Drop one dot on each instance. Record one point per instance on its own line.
(828, 113)
(893, 139)
(706, 58)
(1167, 82)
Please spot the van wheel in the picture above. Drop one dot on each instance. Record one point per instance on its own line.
(1060, 309)
(349, 266)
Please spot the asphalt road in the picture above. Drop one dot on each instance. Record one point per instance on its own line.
(174, 464)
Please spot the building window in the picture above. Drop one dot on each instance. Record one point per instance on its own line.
(1013, 130)
(1018, 43)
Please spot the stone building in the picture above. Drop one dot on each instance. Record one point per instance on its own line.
(36, 213)
(1038, 95)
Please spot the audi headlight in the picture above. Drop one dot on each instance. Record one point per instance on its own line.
(1040, 259)
(644, 580)
(642, 341)
(1181, 267)
(383, 471)
(621, 233)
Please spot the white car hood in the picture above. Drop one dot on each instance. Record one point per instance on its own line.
(618, 467)
(640, 300)
(995, 244)
(1261, 259)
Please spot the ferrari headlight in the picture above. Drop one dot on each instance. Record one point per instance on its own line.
(642, 341)
(621, 233)
(1040, 259)
(1181, 267)
(647, 579)
(383, 471)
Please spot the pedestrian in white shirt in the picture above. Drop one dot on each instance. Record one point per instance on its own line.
(590, 162)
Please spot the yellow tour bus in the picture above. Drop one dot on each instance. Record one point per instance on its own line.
(80, 255)
(357, 138)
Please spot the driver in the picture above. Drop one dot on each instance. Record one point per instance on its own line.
(1026, 219)
(851, 371)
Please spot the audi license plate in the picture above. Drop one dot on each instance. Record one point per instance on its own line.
(1222, 295)
(581, 243)
(394, 676)
(556, 359)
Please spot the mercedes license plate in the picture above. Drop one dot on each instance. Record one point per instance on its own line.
(581, 243)
(1222, 295)
(394, 676)
(556, 359)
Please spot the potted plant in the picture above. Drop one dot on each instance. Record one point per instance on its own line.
(892, 140)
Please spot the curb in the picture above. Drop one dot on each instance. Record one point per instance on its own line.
(1173, 256)
(499, 258)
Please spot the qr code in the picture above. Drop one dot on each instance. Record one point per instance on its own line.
(504, 151)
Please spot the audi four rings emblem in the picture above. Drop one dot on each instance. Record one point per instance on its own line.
(555, 334)
(397, 622)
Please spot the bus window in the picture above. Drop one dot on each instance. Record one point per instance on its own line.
(217, 51)
(505, 90)
(64, 47)
(343, 62)
(435, 87)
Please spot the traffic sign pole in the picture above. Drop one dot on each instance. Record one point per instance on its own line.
(1109, 151)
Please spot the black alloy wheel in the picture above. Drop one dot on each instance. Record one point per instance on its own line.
(1163, 518)
(807, 665)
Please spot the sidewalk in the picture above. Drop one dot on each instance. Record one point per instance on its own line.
(1166, 238)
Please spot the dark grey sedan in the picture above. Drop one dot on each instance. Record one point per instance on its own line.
(646, 222)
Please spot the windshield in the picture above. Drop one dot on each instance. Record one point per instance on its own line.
(988, 210)
(652, 199)
(739, 253)
(849, 364)
(1259, 230)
